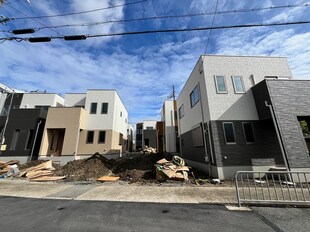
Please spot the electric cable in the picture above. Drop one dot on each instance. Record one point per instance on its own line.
(82, 12)
(172, 30)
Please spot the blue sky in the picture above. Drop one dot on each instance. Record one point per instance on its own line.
(142, 68)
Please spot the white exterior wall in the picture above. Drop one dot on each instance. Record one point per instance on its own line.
(149, 123)
(232, 106)
(110, 121)
(226, 106)
(121, 117)
(75, 99)
(30, 100)
(193, 115)
(168, 117)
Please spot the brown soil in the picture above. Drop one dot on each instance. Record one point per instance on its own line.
(134, 168)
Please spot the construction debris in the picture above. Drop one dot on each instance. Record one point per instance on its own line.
(108, 178)
(9, 168)
(41, 172)
(149, 150)
(174, 169)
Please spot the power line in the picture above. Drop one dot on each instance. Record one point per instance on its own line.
(83, 12)
(212, 24)
(174, 16)
(31, 18)
(163, 31)
(169, 17)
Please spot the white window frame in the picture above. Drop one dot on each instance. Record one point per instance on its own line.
(216, 84)
(252, 132)
(198, 95)
(181, 109)
(233, 127)
(242, 83)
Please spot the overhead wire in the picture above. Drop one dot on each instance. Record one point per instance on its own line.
(175, 30)
(212, 24)
(83, 12)
(177, 16)
(170, 17)
(32, 18)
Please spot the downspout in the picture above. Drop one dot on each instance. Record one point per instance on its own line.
(210, 142)
(180, 139)
(35, 139)
(204, 132)
(77, 140)
(278, 135)
(7, 119)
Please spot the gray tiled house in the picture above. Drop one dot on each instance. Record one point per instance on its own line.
(225, 124)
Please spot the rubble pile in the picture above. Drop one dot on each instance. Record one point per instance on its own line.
(174, 169)
(41, 172)
(9, 168)
(149, 150)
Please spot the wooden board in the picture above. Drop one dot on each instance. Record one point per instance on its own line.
(49, 178)
(35, 174)
(44, 166)
(108, 178)
(162, 161)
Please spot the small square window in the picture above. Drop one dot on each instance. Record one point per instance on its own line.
(248, 132)
(220, 83)
(90, 137)
(104, 108)
(229, 133)
(238, 84)
(194, 96)
(181, 111)
(101, 137)
(93, 108)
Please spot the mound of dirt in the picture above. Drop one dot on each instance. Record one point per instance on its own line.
(86, 169)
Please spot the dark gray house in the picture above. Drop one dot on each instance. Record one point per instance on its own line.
(225, 113)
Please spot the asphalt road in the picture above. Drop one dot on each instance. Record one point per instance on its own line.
(50, 215)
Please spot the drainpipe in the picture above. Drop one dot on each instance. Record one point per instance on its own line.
(204, 131)
(77, 140)
(278, 136)
(35, 139)
(210, 142)
(7, 119)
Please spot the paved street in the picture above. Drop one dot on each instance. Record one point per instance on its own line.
(24, 214)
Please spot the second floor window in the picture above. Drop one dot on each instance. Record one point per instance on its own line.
(238, 84)
(220, 84)
(104, 108)
(194, 96)
(181, 111)
(93, 108)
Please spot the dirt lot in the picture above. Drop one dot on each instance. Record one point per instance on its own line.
(133, 168)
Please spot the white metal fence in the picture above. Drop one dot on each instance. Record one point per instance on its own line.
(281, 187)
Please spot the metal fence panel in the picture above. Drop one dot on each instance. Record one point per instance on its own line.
(283, 187)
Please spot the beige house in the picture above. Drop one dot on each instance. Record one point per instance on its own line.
(93, 122)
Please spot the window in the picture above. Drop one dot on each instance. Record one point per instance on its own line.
(220, 83)
(238, 84)
(30, 139)
(149, 128)
(90, 137)
(104, 108)
(248, 132)
(121, 114)
(101, 137)
(15, 139)
(229, 133)
(181, 111)
(54, 140)
(120, 139)
(197, 136)
(194, 96)
(93, 108)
